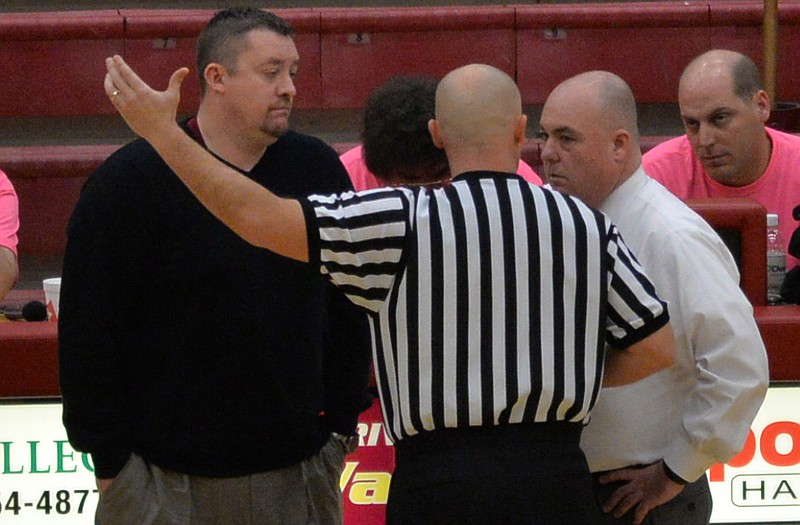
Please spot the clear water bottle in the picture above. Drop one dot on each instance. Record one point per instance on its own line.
(776, 260)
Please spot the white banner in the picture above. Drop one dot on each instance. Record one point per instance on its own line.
(762, 483)
(44, 481)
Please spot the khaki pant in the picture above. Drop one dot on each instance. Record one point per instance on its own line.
(306, 493)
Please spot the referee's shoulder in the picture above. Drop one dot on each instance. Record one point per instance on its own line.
(584, 210)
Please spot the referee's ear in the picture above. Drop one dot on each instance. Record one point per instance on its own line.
(520, 126)
(433, 128)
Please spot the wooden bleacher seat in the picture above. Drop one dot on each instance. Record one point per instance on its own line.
(647, 44)
(28, 352)
(58, 61)
(362, 48)
(346, 52)
(48, 180)
(780, 331)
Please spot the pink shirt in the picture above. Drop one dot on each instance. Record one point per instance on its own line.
(674, 164)
(364, 180)
(9, 214)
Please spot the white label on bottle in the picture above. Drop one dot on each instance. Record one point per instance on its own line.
(776, 270)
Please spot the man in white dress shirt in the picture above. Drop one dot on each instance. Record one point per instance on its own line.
(650, 443)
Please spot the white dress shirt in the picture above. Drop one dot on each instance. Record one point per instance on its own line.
(698, 412)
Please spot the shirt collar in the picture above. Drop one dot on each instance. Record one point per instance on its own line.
(621, 196)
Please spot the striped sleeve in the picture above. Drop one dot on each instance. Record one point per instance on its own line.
(358, 241)
(635, 310)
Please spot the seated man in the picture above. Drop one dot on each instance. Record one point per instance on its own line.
(9, 224)
(727, 150)
(397, 148)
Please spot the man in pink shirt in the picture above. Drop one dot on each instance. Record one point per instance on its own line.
(727, 150)
(397, 147)
(9, 224)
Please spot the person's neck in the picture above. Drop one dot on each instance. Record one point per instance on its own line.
(231, 143)
(462, 164)
(628, 169)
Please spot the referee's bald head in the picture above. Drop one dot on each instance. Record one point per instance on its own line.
(479, 112)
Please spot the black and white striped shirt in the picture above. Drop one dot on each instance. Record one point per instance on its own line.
(491, 298)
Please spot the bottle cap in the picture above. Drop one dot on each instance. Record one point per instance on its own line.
(772, 219)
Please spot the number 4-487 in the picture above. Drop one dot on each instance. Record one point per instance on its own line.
(58, 501)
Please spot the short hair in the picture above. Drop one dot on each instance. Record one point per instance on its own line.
(746, 78)
(222, 40)
(395, 132)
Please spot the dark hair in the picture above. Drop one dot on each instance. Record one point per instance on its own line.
(746, 78)
(395, 132)
(222, 40)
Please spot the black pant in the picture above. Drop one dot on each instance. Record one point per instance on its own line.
(516, 474)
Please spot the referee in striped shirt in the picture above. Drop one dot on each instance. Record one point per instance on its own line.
(491, 302)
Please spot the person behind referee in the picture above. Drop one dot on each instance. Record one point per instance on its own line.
(491, 302)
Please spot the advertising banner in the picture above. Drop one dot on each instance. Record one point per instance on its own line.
(762, 483)
(44, 481)
(367, 472)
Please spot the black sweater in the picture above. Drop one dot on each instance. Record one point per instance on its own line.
(180, 341)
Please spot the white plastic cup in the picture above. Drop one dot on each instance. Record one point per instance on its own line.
(52, 287)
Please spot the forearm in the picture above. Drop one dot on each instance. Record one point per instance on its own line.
(8, 270)
(250, 210)
(650, 355)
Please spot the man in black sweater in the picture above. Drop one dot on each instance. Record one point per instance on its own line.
(211, 381)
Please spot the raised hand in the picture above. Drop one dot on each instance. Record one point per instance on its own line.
(148, 112)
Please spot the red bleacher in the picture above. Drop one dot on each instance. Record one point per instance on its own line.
(348, 51)
(362, 48)
(53, 175)
(647, 44)
(58, 61)
(345, 53)
(750, 220)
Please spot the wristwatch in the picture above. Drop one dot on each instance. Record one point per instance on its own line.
(350, 442)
